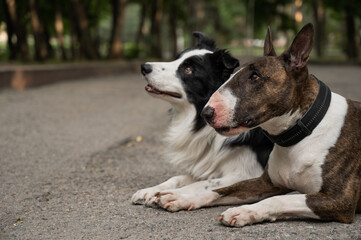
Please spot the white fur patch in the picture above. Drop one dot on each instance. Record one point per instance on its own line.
(201, 154)
(276, 125)
(229, 99)
(299, 167)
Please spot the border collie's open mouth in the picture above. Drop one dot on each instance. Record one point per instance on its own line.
(153, 90)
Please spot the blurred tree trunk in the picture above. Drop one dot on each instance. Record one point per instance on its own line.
(116, 43)
(10, 32)
(319, 15)
(97, 37)
(173, 27)
(143, 14)
(219, 31)
(22, 48)
(41, 49)
(351, 47)
(156, 28)
(195, 19)
(59, 28)
(48, 44)
(73, 37)
(82, 25)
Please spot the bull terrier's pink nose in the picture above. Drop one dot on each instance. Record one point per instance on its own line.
(216, 111)
(208, 114)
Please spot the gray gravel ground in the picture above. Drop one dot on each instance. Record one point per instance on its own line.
(70, 161)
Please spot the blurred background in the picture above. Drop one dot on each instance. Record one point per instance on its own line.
(78, 30)
(79, 135)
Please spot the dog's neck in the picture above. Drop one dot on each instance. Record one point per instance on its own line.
(304, 95)
(276, 125)
(305, 91)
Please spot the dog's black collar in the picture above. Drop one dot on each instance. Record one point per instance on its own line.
(308, 122)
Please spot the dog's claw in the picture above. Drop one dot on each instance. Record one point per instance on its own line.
(219, 218)
(164, 193)
(233, 222)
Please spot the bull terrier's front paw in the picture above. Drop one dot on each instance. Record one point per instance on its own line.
(240, 216)
(173, 202)
(144, 196)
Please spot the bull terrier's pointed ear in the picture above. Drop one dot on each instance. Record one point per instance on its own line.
(204, 42)
(268, 49)
(300, 49)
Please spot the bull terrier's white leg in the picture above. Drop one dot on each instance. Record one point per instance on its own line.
(268, 210)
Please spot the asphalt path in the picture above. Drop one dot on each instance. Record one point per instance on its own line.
(73, 153)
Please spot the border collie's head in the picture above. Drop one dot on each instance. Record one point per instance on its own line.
(192, 77)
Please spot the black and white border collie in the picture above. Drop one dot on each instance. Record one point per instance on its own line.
(208, 159)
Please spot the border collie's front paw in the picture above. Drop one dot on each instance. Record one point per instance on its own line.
(174, 202)
(240, 216)
(143, 196)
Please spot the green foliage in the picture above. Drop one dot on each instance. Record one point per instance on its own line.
(354, 6)
(132, 22)
(228, 21)
(130, 50)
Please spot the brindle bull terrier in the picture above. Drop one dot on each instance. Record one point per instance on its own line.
(317, 135)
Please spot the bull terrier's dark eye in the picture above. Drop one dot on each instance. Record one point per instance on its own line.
(254, 76)
(188, 70)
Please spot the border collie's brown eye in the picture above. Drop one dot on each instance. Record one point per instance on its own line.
(254, 77)
(188, 70)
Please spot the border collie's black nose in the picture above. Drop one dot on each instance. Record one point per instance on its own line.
(146, 68)
(208, 114)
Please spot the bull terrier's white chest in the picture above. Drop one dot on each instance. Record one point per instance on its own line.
(296, 173)
(299, 167)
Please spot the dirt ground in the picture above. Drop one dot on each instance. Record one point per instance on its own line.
(73, 153)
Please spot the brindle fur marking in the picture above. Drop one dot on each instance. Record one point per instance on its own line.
(272, 100)
(249, 191)
(339, 200)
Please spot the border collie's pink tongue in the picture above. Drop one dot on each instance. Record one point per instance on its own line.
(151, 89)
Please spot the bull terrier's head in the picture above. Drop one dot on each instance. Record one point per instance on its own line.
(267, 88)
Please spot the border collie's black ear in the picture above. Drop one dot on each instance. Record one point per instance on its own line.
(298, 53)
(225, 60)
(228, 61)
(204, 42)
(268, 49)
